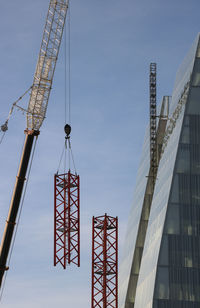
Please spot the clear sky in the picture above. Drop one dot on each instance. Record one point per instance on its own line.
(112, 45)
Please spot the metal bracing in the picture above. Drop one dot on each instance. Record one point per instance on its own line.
(105, 262)
(153, 141)
(175, 115)
(46, 63)
(66, 219)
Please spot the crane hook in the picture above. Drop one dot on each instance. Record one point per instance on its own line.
(67, 130)
(4, 127)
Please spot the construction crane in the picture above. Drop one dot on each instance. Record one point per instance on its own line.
(36, 112)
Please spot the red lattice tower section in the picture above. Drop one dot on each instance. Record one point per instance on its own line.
(66, 219)
(105, 262)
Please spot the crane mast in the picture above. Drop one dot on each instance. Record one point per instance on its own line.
(36, 112)
(153, 137)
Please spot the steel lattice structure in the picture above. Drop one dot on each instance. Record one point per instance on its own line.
(46, 64)
(66, 219)
(38, 102)
(105, 262)
(153, 139)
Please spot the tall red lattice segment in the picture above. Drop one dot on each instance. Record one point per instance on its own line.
(66, 219)
(105, 262)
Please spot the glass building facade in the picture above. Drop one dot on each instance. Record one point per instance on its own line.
(161, 263)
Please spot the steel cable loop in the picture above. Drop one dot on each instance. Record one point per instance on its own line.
(65, 158)
(70, 152)
(20, 211)
(73, 161)
(66, 150)
(70, 157)
(60, 159)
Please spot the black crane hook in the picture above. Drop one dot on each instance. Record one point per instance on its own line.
(67, 130)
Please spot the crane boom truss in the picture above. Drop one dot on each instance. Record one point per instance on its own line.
(46, 64)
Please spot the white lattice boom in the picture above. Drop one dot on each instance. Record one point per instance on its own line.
(46, 63)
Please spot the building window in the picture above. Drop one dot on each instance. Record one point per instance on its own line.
(172, 224)
(162, 283)
(196, 74)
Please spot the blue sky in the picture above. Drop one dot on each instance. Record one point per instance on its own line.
(112, 44)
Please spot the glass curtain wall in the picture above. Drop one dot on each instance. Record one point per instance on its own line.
(178, 272)
(169, 276)
(153, 284)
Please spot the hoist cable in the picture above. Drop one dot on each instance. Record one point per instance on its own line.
(67, 74)
(67, 99)
(67, 67)
(73, 161)
(67, 148)
(65, 77)
(19, 216)
(69, 156)
(2, 137)
(61, 157)
(65, 158)
(69, 63)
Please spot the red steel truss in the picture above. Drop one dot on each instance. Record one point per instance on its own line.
(105, 262)
(66, 219)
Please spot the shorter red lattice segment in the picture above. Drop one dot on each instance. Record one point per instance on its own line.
(105, 262)
(66, 219)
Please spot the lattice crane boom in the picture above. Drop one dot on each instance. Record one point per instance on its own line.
(36, 113)
(46, 64)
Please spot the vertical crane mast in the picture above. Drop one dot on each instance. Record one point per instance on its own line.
(153, 138)
(66, 219)
(104, 262)
(36, 112)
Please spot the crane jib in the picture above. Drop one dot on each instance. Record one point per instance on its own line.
(45, 68)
